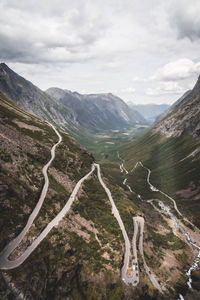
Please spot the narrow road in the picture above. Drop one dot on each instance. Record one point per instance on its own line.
(16, 241)
(138, 221)
(6, 264)
(166, 210)
(125, 278)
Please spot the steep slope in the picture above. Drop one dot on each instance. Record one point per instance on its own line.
(82, 255)
(172, 150)
(170, 159)
(32, 99)
(173, 106)
(149, 111)
(82, 116)
(185, 115)
(97, 111)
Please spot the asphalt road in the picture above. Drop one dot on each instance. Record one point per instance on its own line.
(4, 262)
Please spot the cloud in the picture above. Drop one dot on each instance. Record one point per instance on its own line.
(177, 70)
(164, 88)
(128, 90)
(140, 79)
(37, 31)
(185, 17)
(102, 45)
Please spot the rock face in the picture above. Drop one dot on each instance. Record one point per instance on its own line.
(183, 116)
(97, 111)
(31, 98)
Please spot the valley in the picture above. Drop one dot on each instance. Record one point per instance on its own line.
(113, 218)
(181, 225)
(106, 142)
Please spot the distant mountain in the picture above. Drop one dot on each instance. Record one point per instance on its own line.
(149, 111)
(81, 116)
(97, 111)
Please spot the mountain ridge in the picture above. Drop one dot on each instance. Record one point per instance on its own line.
(98, 110)
(183, 116)
(31, 98)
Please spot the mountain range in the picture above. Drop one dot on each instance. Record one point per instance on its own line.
(73, 112)
(150, 183)
(97, 111)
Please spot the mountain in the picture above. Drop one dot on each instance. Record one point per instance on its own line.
(97, 111)
(149, 111)
(184, 117)
(173, 106)
(80, 257)
(70, 111)
(163, 165)
(172, 149)
(128, 229)
(91, 119)
(31, 98)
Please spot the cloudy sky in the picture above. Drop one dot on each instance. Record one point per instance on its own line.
(143, 51)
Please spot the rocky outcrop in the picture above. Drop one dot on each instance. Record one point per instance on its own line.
(31, 98)
(183, 116)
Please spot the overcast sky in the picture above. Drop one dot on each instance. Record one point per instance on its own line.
(145, 51)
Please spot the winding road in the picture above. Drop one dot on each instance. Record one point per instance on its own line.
(138, 221)
(6, 263)
(167, 211)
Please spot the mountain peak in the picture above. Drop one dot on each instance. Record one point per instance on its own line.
(3, 65)
(3, 68)
(197, 85)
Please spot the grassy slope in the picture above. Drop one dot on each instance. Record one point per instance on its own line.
(170, 173)
(171, 170)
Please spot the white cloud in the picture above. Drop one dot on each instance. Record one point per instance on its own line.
(164, 88)
(128, 90)
(185, 17)
(177, 70)
(102, 45)
(48, 31)
(140, 79)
